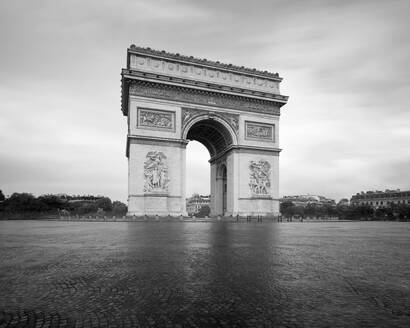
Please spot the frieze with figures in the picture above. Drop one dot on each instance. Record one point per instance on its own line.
(156, 119)
(202, 97)
(259, 131)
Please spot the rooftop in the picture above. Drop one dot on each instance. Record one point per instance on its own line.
(371, 193)
(205, 62)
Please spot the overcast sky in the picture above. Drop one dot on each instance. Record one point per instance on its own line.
(345, 66)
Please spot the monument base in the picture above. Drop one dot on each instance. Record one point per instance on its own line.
(156, 204)
(263, 206)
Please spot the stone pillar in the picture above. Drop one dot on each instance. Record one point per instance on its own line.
(156, 178)
(183, 181)
(232, 164)
(214, 187)
(258, 197)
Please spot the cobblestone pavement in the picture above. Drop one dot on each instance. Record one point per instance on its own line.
(220, 274)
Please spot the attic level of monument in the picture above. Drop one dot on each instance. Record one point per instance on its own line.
(181, 78)
(202, 62)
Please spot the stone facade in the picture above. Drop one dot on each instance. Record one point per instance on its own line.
(377, 199)
(196, 202)
(234, 111)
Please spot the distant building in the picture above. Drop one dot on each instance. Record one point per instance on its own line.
(78, 198)
(343, 202)
(304, 200)
(194, 203)
(381, 198)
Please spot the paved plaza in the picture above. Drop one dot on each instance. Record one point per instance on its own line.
(213, 274)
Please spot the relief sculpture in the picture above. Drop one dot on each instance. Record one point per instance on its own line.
(151, 90)
(232, 119)
(156, 172)
(188, 113)
(259, 131)
(156, 119)
(259, 177)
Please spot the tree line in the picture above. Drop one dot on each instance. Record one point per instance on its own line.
(23, 203)
(392, 212)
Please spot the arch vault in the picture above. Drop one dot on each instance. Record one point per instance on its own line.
(233, 111)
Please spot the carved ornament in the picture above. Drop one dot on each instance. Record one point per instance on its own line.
(190, 113)
(156, 119)
(259, 131)
(190, 71)
(202, 97)
(207, 62)
(156, 172)
(259, 177)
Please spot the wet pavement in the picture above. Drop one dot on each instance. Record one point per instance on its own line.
(220, 274)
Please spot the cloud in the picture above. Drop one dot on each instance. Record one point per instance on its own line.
(344, 63)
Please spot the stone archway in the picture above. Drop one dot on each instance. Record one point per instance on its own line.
(218, 137)
(233, 111)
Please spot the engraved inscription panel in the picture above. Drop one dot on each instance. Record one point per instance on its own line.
(259, 131)
(156, 119)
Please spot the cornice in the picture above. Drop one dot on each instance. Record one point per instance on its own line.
(148, 140)
(203, 62)
(245, 149)
(138, 75)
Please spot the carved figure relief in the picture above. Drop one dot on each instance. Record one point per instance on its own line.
(156, 172)
(259, 177)
(259, 131)
(232, 119)
(152, 90)
(156, 119)
(188, 113)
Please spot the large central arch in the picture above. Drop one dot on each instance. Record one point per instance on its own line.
(218, 137)
(233, 111)
(212, 134)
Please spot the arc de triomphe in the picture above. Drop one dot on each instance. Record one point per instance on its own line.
(170, 99)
